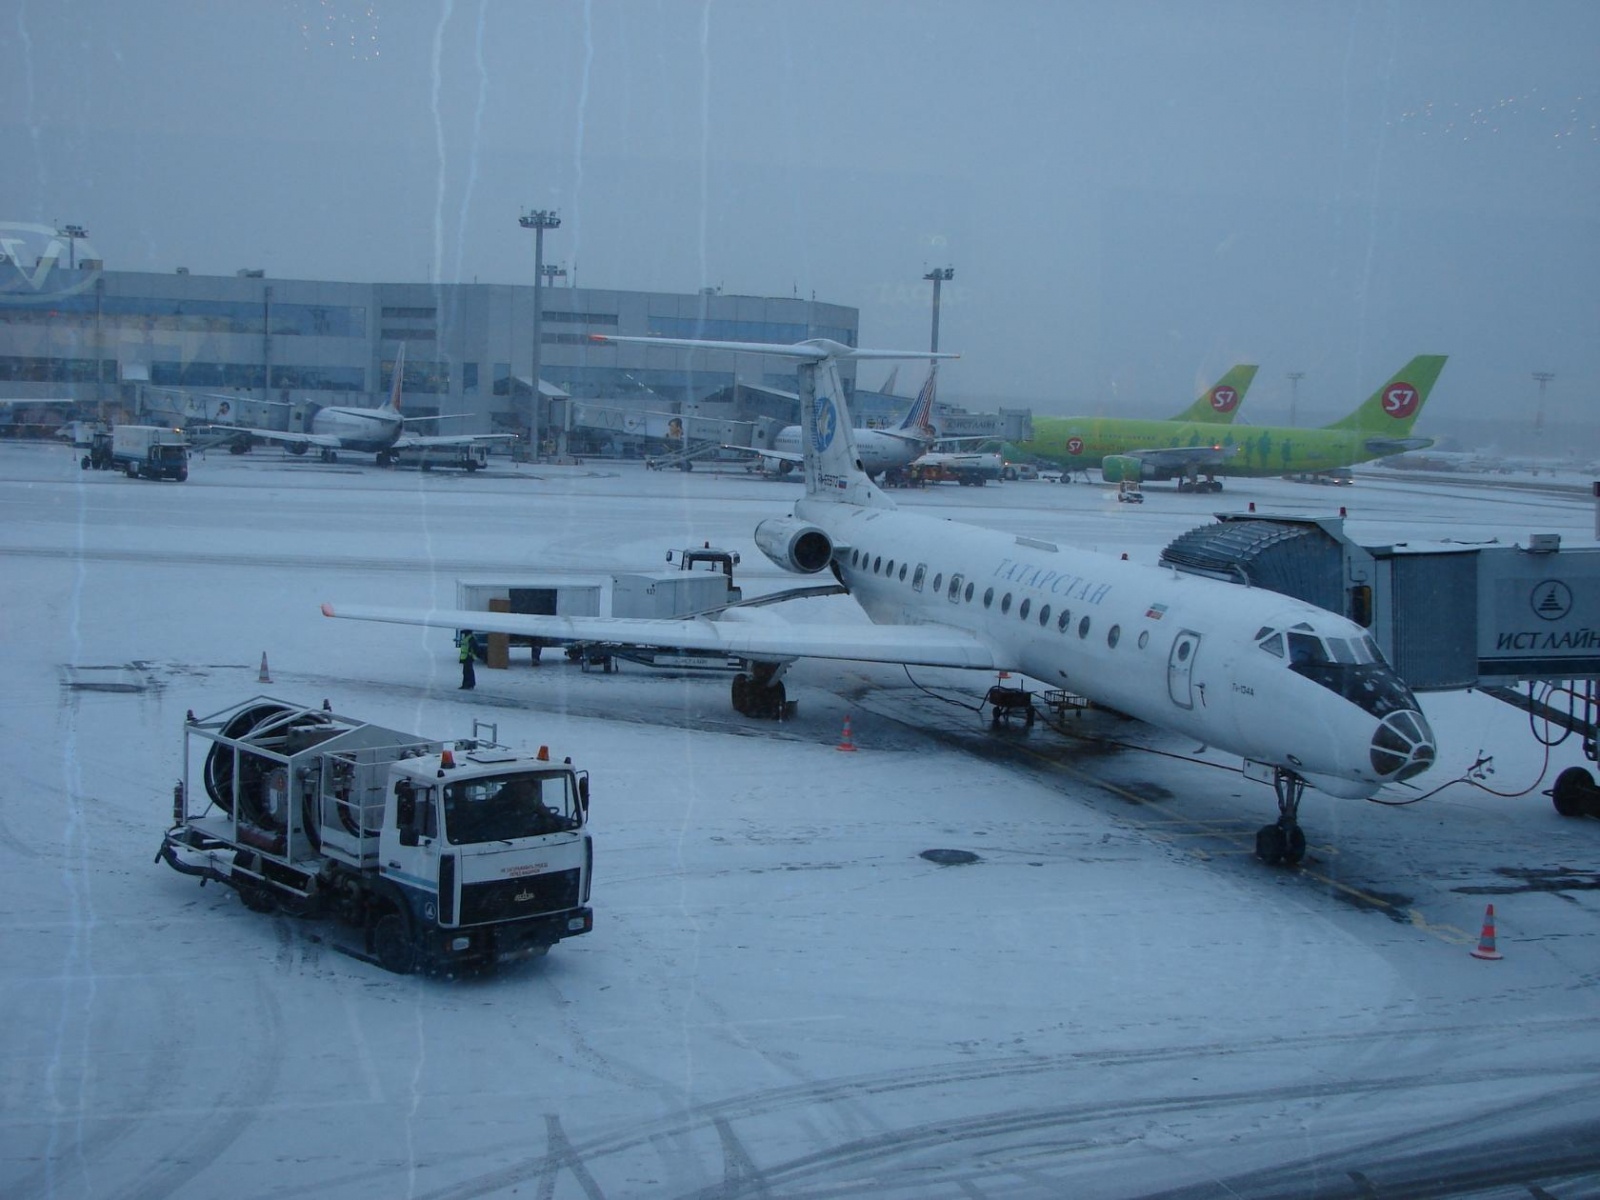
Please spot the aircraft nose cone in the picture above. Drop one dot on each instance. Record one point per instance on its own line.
(1403, 746)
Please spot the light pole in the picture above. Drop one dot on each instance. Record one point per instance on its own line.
(553, 272)
(539, 220)
(1294, 392)
(1543, 377)
(937, 276)
(72, 233)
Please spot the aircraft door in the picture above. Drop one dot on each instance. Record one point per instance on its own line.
(1180, 668)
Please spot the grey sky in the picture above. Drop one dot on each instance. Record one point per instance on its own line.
(1133, 196)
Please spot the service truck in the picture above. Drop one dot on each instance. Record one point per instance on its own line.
(150, 452)
(444, 856)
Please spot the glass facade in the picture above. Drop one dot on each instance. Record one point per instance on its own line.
(15, 369)
(148, 313)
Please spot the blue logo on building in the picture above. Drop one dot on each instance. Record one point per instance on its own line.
(826, 422)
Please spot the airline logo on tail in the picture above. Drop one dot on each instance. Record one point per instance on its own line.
(1400, 400)
(826, 421)
(1224, 399)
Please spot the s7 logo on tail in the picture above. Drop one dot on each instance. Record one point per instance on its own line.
(1399, 400)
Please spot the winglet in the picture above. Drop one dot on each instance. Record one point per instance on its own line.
(327, 610)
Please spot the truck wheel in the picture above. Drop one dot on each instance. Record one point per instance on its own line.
(182, 475)
(391, 942)
(257, 898)
(84, 465)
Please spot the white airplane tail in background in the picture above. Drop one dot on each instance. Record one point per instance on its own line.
(398, 380)
(833, 468)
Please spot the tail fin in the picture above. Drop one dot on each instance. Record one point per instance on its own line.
(1393, 408)
(918, 421)
(888, 384)
(399, 378)
(1220, 404)
(828, 440)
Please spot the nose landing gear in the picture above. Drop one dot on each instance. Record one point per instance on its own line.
(1283, 841)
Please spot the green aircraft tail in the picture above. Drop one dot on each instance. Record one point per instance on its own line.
(1220, 404)
(1394, 407)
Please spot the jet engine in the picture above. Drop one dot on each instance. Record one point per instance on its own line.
(794, 545)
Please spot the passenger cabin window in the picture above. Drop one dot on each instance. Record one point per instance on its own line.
(916, 580)
(988, 597)
(1044, 616)
(1022, 609)
(1005, 603)
(938, 581)
(955, 589)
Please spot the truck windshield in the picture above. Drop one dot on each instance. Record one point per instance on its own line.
(494, 808)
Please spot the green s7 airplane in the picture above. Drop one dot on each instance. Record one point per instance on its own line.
(1186, 449)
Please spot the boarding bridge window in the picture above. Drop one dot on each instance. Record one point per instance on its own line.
(921, 574)
(954, 593)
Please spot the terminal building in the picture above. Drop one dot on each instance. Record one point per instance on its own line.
(271, 351)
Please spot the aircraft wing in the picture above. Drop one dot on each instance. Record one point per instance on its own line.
(417, 441)
(734, 634)
(322, 441)
(776, 455)
(1180, 458)
(1385, 446)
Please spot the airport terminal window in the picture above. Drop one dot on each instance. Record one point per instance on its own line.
(208, 374)
(55, 370)
(325, 379)
(409, 313)
(579, 318)
(988, 597)
(1005, 603)
(1022, 609)
(1064, 619)
(469, 379)
(148, 314)
(1113, 636)
(1083, 628)
(1044, 616)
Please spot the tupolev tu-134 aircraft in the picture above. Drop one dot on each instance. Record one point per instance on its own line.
(1287, 686)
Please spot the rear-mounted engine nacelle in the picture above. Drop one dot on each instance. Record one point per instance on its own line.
(794, 545)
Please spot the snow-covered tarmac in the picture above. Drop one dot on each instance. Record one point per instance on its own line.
(781, 996)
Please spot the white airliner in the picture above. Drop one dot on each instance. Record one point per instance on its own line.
(379, 431)
(880, 449)
(1294, 689)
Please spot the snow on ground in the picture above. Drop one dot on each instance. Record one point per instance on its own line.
(781, 997)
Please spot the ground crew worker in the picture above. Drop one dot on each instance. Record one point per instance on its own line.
(469, 678)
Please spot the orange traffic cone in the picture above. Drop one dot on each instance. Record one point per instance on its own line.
(1486, 938)
(265, 676)
(846, 743)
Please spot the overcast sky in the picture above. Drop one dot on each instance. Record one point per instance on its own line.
(1133, 195)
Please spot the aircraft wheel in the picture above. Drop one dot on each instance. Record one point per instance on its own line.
(391, 943)
(1574, 793)
(1270, 845)
(1294, 848)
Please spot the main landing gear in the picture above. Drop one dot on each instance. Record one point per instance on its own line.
(1283, 841)
(760, 693)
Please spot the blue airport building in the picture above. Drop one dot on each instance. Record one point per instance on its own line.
(136, 342)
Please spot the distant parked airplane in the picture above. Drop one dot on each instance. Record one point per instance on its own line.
(379, 431)
(1127, 449)
(1295, 688)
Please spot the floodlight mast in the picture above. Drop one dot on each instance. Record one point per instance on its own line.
(538, 220)
(1544, 377)
(72, 233)
(1294, 392)
(937, 276)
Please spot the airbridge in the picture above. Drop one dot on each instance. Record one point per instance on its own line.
(1520, 622)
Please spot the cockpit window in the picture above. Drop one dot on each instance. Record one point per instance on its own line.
(1274, 644)
(1340, 650)
(1372, 686)
(1306, 649)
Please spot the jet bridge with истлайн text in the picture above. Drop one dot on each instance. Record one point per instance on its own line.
(1449, 615)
